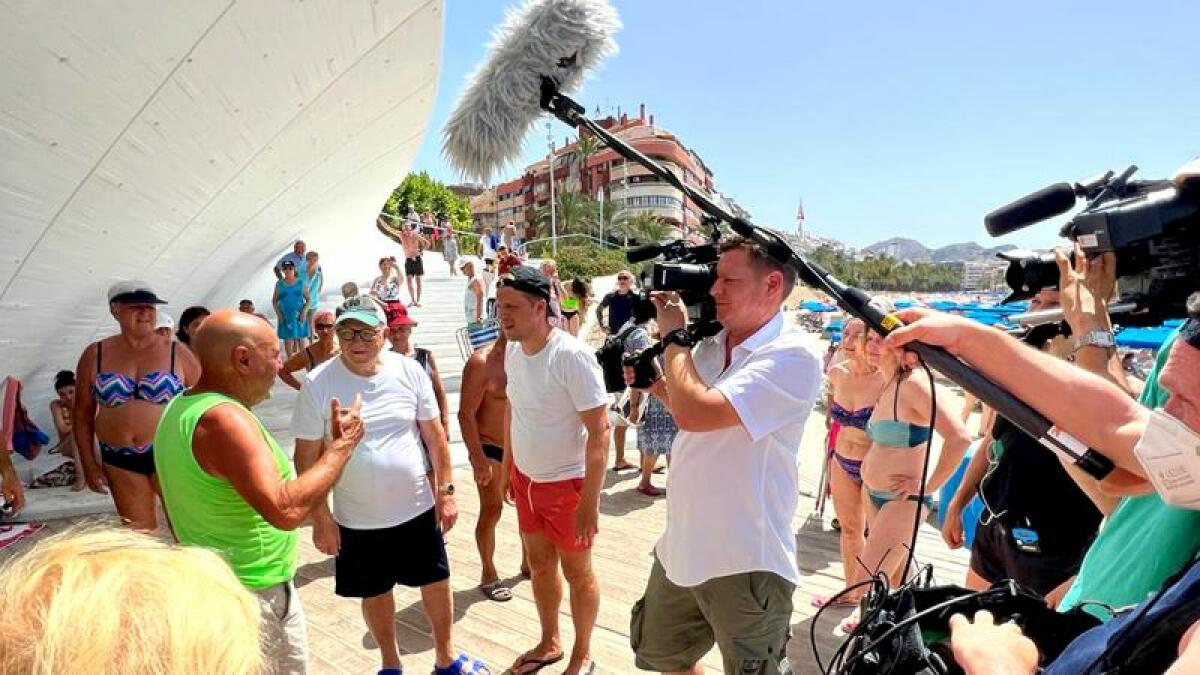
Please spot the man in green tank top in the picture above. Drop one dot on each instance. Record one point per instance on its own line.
(229, 487)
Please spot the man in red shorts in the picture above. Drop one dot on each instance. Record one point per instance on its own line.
(556, 447)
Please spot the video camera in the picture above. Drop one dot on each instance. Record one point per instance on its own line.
(689, 269)
(1152, 226)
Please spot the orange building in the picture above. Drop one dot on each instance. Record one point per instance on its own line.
(626, 186)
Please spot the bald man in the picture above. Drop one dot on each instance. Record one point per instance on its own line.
(229, 487)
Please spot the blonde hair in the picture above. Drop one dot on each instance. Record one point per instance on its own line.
(108, 600)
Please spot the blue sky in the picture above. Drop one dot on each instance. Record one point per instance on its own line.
(908, 119)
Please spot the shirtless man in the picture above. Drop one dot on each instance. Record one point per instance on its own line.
(482, 409)
(414, 266)
(410, 239)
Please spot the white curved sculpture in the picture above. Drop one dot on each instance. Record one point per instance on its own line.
(187, 143)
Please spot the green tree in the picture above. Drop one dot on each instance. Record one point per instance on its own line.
(422, 193)
(643, 226)
(585, 147)
(575, 213)
(884, 273)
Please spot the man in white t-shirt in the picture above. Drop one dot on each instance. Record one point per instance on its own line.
(388, 522)
(725, 568)
(556, 446)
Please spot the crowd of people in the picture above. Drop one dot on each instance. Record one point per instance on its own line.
(150, 418)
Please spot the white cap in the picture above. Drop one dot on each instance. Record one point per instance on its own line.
(164, 321)
(134, 292)
(465, 260)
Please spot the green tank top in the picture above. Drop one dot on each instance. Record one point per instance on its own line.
(570, 304)
(207, 511)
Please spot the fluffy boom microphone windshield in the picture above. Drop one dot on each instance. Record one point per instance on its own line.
(559, 39)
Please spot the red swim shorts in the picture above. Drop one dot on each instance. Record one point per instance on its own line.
(548, 508)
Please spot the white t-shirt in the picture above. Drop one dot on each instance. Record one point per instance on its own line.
(732, 493)
(384, 482)
(546, 393)
(489, 284)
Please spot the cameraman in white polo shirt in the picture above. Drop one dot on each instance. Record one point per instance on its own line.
(725, 568)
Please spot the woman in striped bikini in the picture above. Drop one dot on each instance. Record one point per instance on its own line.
(123, 383)
(854, 387)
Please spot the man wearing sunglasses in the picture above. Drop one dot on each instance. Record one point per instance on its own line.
(555, 448)
(387, 523)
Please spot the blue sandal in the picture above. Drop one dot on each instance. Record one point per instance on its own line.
(463, 666)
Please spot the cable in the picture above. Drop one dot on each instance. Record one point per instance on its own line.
(812, 627)
(922, 614)
(1116, 640)
(912, 548)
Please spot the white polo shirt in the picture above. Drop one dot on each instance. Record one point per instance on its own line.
(384, 483)
(732, 493)
(546, 393)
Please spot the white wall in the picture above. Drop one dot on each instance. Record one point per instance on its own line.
(187, 143)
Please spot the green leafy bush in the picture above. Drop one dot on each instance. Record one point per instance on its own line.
(583, 261)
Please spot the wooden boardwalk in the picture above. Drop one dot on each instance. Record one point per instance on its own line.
(498, 632)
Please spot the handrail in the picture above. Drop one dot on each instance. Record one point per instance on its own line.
(522, 246)
(566, 236)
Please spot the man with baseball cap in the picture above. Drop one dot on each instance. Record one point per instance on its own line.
(556, 446)
(388, 521)
(475, 295)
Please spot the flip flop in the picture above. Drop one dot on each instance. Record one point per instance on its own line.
(527, 660)
(496, 591)
(625, 467)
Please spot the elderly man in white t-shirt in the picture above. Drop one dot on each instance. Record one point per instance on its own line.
(388, 520)
(555, 449)
(725, 568)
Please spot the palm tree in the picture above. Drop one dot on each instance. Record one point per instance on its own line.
(644, 226)
(574, 213)
(585, 147)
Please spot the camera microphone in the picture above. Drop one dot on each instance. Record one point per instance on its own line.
(639, 254)
(560, 40)
(1045, 203)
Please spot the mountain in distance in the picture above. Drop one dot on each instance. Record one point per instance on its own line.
(911, 249)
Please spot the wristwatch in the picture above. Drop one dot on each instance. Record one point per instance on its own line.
(681, 337)
(1096, 338)
(446, 489)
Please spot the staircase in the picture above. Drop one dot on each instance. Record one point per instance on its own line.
(438, 317)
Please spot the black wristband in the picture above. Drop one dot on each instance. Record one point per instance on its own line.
(681, 337)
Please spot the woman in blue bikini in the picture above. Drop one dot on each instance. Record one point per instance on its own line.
(892, 469)
(854, 387)
(123, 383)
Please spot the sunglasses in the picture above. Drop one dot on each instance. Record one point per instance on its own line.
(323, 326)
(624, 279)
(364, 334)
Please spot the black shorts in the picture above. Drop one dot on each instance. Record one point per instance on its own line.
(493, 452)
(995, 556)
(371, 562)
(414, 266)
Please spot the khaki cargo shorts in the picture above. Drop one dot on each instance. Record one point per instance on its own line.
(748, 616)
